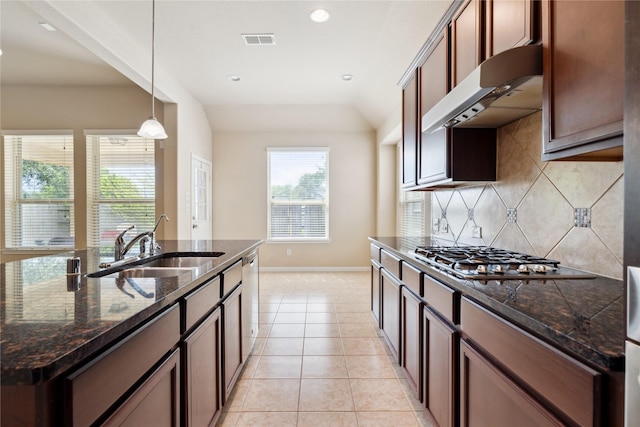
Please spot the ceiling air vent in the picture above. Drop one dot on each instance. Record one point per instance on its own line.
(259, 39)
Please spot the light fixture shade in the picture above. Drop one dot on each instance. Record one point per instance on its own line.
(152, 128)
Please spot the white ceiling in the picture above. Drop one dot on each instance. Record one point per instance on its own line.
(199, 44)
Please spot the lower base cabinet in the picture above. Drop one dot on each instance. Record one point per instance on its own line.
(232, 339)
(202, 359)
(489, 398)
(375, 291)
(411, 309)
(156, 402)
(440, 369)
(390, 311)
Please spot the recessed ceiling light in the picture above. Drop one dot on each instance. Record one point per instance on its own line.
(234, 78)
(319, 15)
(47, 26)
(347, 77)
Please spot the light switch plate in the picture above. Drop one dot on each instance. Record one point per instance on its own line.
(476, 231)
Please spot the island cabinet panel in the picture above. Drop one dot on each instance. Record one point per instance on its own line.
(466, 40)
(565, 383)
(93, 389)
(509, 24)
(489, 398)
(583, 80)
(390, 315)
(440, 369)
(203, 375)
(411, 354)
(375, 291)
(231, 277)
(156, 402)
(410, 116)
(232, 340)
(200, 302)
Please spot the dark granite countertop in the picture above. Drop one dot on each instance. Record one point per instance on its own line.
(582, 317)
(47, 328)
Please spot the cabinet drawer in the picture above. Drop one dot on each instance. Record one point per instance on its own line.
(91, 390)
(571, 386)
(391, 263)
(441, 298)
(200, 302)
(412, 279)
(231, 277)
(375, 252)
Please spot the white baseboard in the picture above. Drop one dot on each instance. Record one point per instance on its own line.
(312, 269)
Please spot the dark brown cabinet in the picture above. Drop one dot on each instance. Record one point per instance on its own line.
(232, 344)
(583, 81)
(509, 24)
(203, 376)
(410, 117)
(375, 291)
(489, 398)
(466, 40)
(156, 402)
(390, 311)
(411, 354)
(440, 369)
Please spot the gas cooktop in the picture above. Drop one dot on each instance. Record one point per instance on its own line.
(488, 263)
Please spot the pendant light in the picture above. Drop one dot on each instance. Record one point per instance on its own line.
(152, 128)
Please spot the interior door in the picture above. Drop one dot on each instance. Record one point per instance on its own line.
(201, 198)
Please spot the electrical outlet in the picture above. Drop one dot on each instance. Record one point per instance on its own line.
(288, 252)
(435, 225)
(476, 231)
(444, 226)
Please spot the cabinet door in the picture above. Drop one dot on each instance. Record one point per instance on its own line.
(390, 296)
(434, 156)
(440, 369)
(232, 344)
(203, 378)
(411, 310)
(489, 398)
(509, 24)
(410, 131)
(375, 291)
(466, 41)
(583, 81)
(156, 402)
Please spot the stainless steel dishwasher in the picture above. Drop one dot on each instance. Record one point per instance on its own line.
(250, 301)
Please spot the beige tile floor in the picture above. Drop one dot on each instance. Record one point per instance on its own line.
(319, 359)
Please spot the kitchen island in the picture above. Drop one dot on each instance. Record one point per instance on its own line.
(55, 328)
(552, 348)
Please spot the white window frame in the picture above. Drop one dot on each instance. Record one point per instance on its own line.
(325, 202)
(13, 196)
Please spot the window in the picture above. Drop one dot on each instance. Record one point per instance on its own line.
(121, 186)
(38, 176)
(298, 192)
(412, 210)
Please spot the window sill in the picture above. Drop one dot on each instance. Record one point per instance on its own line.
(291, 241)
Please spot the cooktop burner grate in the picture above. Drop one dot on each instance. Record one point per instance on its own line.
(488, 263)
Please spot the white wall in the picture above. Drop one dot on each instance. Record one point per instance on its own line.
(240, 192)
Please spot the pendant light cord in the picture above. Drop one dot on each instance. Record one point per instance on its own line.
(153, 57)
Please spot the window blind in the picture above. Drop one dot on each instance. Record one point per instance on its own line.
(38, 176)
(411, 207)
(298, 192)
(121, 186)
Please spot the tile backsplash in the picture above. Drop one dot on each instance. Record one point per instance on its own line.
(568, 211)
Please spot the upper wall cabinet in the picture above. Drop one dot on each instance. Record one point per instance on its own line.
(410, 131)
(583, 83)
(509, 24)
(481, 29)
(466, 40)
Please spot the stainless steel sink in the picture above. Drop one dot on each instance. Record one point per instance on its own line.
(141, 272)
(179, 262)
(167, 265)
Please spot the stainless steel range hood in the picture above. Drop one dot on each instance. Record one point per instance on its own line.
(502, 89)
